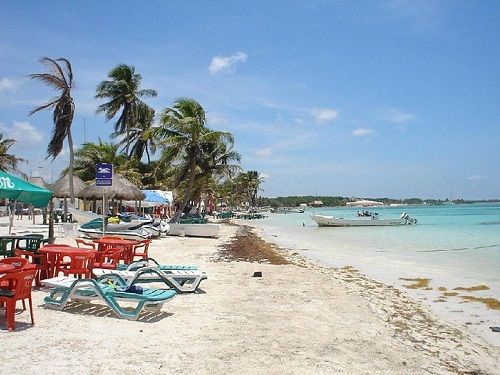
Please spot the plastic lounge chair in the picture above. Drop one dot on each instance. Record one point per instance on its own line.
(150, 262)
(183, 281)
(110, 289)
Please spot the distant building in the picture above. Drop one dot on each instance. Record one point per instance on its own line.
(316, 204)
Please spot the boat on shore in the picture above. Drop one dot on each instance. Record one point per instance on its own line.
(371, 221)
(194, 230)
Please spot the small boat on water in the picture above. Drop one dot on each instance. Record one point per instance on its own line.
(371, 221)
(288, 210)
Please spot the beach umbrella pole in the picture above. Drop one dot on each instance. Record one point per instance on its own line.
(11, 217)
(51, 221)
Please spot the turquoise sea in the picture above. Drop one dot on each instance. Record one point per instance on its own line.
(453, 245)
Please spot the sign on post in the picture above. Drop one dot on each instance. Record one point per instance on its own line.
(104, 174)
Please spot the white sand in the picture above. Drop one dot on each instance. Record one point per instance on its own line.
(296, 319)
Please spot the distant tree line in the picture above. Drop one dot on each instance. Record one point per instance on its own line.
(295, 201)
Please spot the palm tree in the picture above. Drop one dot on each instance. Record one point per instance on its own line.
(8, 162)
(92, 153)
(60, 77)
(248, 185)
(254, 181)
(187, 143)
(123, 91)
(140, 136)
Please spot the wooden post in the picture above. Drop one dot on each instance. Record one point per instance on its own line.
(51, 221)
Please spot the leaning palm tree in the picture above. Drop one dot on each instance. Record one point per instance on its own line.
(60, 77)
(9, 162)
(140, 136)
(185, 137)
(122, 90)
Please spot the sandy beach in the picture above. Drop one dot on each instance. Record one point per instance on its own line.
(297, 318)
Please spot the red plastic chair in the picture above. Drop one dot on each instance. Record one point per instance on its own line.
(109, 258)
(141, 250)
(84, 244)
(79, 265)
(18, 262)
(20, 289)
(38, 260)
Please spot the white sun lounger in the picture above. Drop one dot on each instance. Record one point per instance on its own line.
(183, 281)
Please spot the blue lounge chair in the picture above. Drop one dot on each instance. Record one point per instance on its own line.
(109, 289)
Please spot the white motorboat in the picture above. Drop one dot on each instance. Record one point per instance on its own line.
(288, 210)
(372, 221)
(194, 230)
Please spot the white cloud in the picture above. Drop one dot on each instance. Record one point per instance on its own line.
(7, 84)
(224, 63)
(396, 116)
(264, 152)
(23, 132)
(264, 175)
(362, 132)
(298, 121)
(476, 177)
(322, 115)
(215, 119)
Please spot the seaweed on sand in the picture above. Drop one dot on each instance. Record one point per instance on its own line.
(491, 303)
(418, 283)
(473, 288)
(248, 247)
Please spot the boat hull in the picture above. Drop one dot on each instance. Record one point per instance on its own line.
(330, 221)
(194, 230)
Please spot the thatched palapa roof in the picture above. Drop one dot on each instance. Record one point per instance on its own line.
(39, 181)
(121, 189)
(60, 188)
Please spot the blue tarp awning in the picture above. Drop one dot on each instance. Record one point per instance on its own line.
(154, 197)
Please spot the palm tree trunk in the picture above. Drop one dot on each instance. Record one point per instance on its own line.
(187, 194)
(70, 169)
(126, 119)
(147, 154)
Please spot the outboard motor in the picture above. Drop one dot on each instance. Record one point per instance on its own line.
(408, 219)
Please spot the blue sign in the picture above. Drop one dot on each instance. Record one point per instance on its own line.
(103, 174)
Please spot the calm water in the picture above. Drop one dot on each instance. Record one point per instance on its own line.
(455, 245)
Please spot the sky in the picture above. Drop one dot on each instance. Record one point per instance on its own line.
(387, 98)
